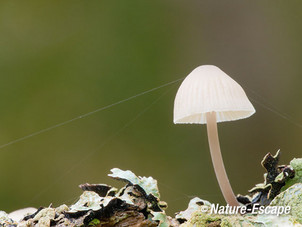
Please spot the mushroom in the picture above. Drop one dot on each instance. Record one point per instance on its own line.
(207, 96)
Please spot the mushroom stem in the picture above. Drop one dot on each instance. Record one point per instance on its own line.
(217, 161)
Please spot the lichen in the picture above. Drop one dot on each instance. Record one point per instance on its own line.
(274, 180)
(202, 219)
(5, 220)
(291, 197)
(276, 221)
(196, 216)
(195, 204)
(138, 204)
(161, 218)
(147, 183)
(296, 164)
(88, 201)
(277, 178)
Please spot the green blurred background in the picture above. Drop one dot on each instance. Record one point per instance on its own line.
(62, 59)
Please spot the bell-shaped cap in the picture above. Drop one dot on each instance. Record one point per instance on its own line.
(206, 89)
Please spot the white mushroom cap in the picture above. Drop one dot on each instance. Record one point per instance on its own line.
(206, 89)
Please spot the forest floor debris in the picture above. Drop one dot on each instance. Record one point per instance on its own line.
(138, 204)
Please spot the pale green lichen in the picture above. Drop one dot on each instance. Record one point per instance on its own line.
(205, 219)
(276, 221)
(197, 215)
(149, 186)
(291, 197)
(296, 164)
(61, 209)
(88, 201)
(147, 183)
(45, 216)
(162, 219)
(125, 193)
(199, 218)
(141, 196)
(202, 219)
(195, 204)
(274, 180)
